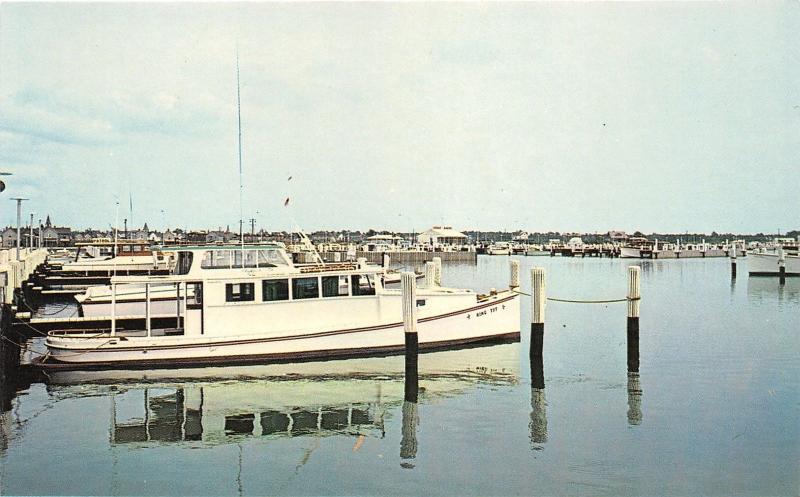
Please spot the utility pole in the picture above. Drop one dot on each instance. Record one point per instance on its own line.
(253, 227)
(19, 221)
(30, 239)
(40, 233)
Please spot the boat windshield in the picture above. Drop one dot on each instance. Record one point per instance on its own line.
(249, 258)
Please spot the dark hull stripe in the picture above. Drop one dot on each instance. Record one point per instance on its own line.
(770, 273)
(280, 357)
(294, 337)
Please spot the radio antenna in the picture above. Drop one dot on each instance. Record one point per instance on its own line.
(241, 186)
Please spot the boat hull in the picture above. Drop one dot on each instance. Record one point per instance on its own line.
(498, 317)
(630, 253)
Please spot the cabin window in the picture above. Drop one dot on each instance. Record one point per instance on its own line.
(216, 259)
(249, 258)
(305, 288)
(275, 290)
(363, 284)
(184, 262)
(335, 286)
(271, 258)
(239, 292)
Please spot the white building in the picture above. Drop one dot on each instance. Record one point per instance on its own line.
(442, 235)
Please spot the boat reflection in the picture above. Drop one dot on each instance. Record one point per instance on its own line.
(317, 399)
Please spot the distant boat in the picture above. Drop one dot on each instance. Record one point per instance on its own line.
(499, 248)
(636, 248)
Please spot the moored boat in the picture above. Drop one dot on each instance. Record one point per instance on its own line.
(499, 248)
(254, 304)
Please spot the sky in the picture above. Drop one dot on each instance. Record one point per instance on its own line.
(665, 117)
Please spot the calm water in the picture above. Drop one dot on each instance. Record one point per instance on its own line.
(714, 410)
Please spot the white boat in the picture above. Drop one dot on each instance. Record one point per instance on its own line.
(499, 248)
(636, 248)
(128, 256)
(253, 304)
(765, 263)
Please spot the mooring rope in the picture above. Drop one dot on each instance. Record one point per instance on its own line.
(572, 301)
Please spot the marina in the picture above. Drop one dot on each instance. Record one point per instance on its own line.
(399, 248)
(315, 411)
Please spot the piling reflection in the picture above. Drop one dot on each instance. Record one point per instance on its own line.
(408, 442)
(634, 399)
(768, 289)
(538, 421)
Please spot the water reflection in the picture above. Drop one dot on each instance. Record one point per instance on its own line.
(765, 289)
(314, 399)
(408, 442)
(538, 421)
(634, 399)
(194, 413)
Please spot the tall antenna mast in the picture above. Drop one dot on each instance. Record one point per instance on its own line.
(241, 187)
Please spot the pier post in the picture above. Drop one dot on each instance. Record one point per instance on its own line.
(781, 266)
(732, 251)
(634, 296)
(438, 262)
(362, 262)
(386, 260)
(514, 280)
(430, 274)
(537, 312)
(409, 296)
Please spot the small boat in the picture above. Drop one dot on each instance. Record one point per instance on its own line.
(499, 248)
(636, 248)
(253, 304)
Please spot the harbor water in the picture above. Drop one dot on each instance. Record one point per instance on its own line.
(713, 410)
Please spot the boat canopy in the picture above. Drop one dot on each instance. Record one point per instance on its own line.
(210, 257)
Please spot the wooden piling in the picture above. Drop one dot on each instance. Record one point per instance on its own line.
(732, 251)
(386, 260)
(634, 296)
(409, 295)
(781, 266)
(438, 262)
(537, 311)
(430, 275)
(514, 278)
